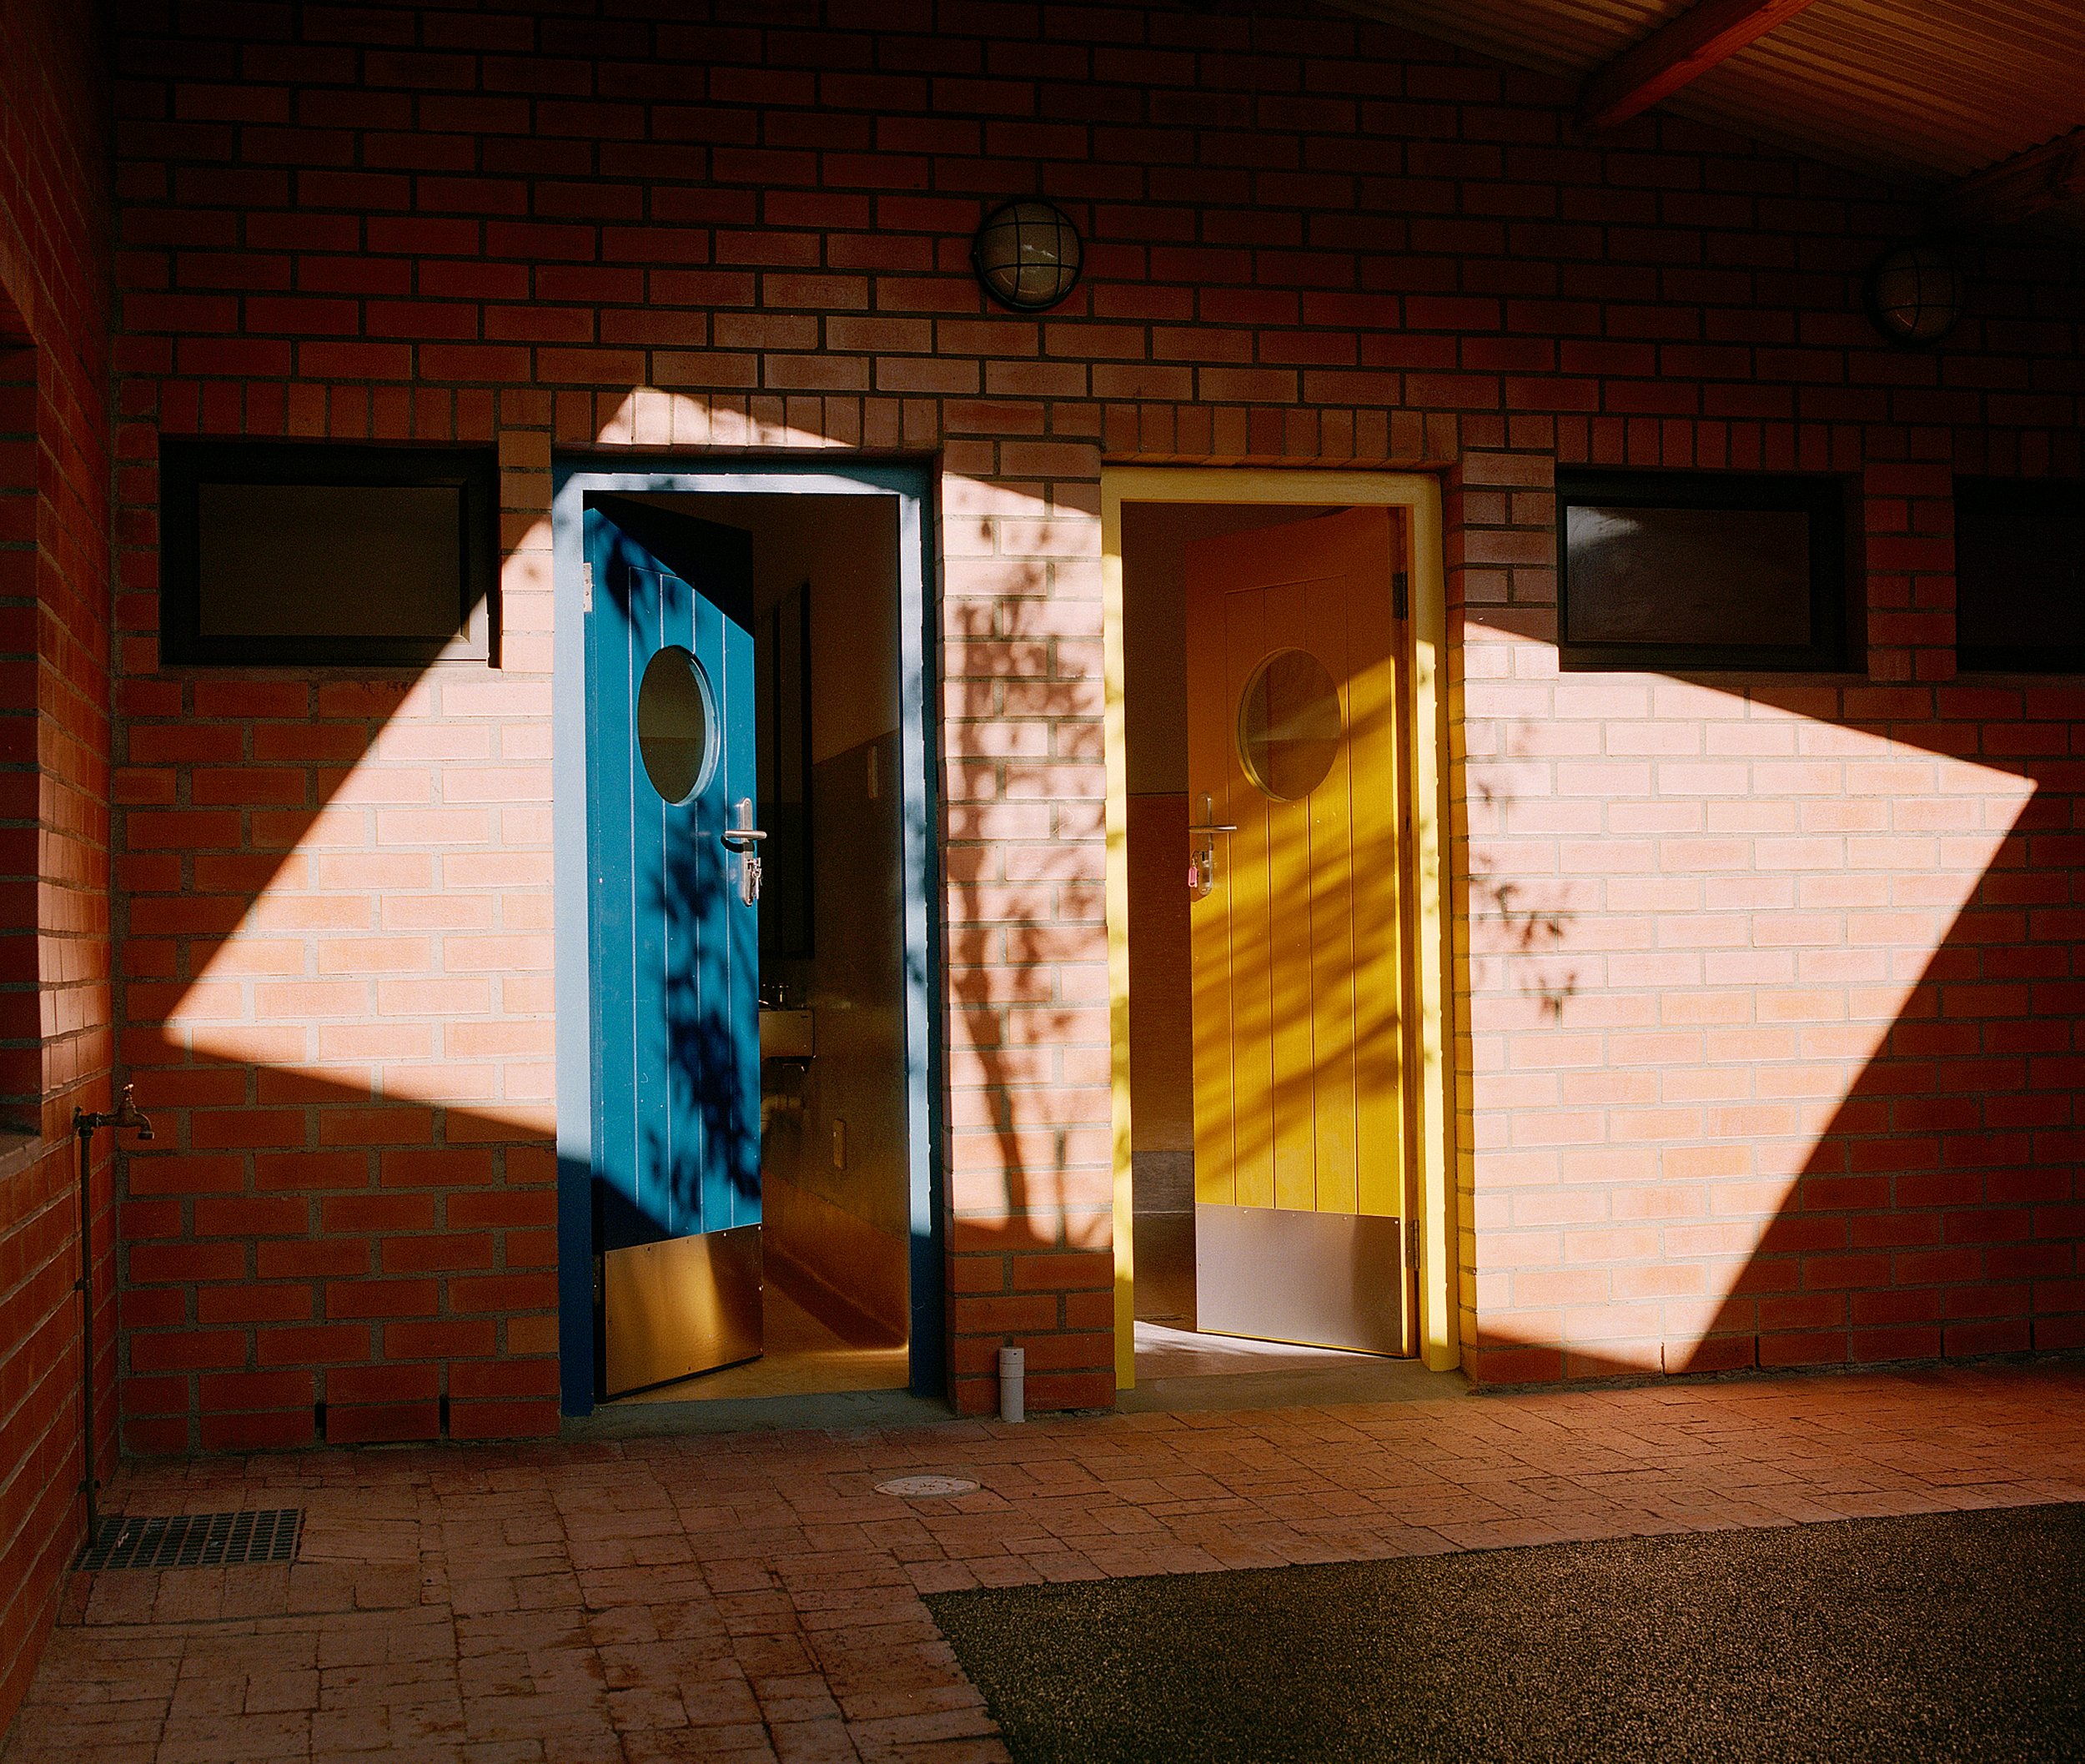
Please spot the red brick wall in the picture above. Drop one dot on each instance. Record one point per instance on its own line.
(54, 996)
(333, 894)
(1310, 239)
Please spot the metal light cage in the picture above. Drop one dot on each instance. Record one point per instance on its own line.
(1027, 255)
(1915, 293)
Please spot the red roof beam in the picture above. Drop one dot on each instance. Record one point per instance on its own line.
(1675, 54)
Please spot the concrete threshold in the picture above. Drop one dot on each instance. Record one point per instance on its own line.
(1294, 1387)
(630, 1419)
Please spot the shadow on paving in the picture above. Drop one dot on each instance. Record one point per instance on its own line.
(1941, 1637)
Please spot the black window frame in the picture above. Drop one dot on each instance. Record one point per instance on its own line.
(2014, 496)
(187, 464)
(1823, 496)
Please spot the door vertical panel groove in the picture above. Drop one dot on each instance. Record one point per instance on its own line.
(1253, 1072)
(1331, 909)
(1288, 946)
(1209, 967)
(1378, 975)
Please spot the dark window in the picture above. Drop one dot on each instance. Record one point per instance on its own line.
(274, 553)
(2020, 574)
(1699, 570)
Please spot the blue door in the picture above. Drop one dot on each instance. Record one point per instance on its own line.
(674, 872)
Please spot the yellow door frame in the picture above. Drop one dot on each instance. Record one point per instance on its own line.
(1419, 497)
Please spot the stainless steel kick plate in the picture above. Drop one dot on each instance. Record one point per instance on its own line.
(678, 1307)
(1321, 1279)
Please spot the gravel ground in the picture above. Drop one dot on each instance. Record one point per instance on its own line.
(1940, 1636)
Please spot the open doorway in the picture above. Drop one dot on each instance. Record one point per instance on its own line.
(834, 1214)
(1276, 1130)
(756, 1199)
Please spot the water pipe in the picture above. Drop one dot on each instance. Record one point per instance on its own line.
(85, 1126)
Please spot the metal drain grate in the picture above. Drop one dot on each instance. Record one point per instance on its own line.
(196, 1540)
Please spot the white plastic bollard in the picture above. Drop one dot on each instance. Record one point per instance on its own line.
(1012, 1374)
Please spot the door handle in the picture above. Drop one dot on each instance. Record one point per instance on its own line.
(743, 839)
(745, 830)
(1202, 861)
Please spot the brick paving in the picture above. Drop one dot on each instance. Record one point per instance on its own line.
(751, 1596)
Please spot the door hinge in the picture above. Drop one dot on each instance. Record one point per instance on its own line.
(585, 587)
(1400, 595)
(1411, 1243)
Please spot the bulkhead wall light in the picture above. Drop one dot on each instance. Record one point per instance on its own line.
(1915, 293)
(1027, 254)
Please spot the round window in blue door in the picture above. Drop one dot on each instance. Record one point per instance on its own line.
(676, 724)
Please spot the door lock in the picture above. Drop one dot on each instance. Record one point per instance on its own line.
(1202, 860)
(743, 839)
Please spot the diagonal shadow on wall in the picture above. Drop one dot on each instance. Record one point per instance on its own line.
(1903, 1187)
(327, 994)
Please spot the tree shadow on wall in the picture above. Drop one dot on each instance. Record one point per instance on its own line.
(1525, 925)
(1017, 944)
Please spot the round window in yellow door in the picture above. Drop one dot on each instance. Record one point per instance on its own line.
(1289, 724)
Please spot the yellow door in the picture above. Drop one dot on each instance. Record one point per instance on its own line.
(1294, 799)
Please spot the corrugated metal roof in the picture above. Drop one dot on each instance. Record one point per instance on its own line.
(1567, 37)
(1924, 91)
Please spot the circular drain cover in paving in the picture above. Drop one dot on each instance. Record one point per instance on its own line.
(912, 1486)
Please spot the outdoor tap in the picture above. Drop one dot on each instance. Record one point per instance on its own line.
(130, 1115)
(126, 1114)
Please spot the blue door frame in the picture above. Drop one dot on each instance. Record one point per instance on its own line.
(911, 488)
